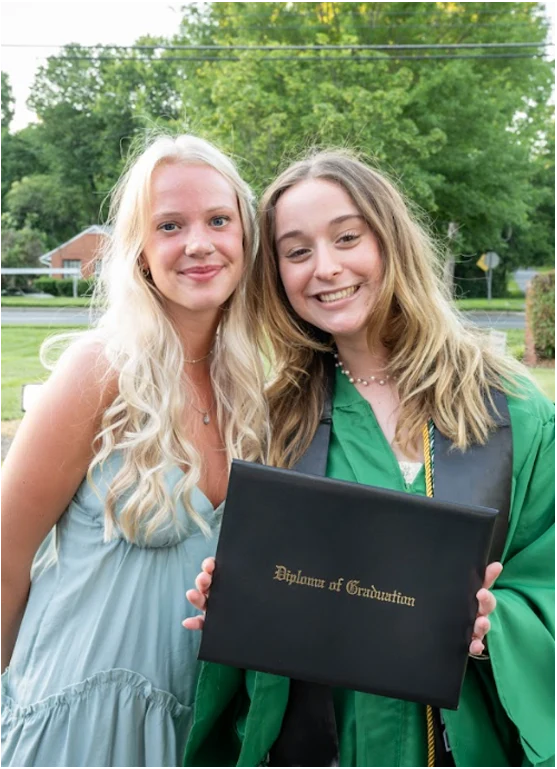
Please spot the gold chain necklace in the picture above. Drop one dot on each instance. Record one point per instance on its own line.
(198, 360)
(204, 413)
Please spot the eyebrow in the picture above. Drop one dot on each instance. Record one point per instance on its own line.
(336, 220)
(175, 214)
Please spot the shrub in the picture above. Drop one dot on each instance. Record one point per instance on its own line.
(64, 286)
(47, 285)
(85, 287)
(540, 314)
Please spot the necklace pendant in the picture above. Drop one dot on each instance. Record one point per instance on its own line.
(206, 418)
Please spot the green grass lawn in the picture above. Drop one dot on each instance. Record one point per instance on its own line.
(545, 377)
(20, 363)
(514, 304)
(515, 342)
(51, 301)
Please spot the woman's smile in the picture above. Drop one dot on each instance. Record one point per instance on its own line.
(336, 296)
(328, 257)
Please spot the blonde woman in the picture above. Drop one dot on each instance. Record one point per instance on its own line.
(127, 456)
(348, 276)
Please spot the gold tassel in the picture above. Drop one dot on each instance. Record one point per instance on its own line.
(429, 491)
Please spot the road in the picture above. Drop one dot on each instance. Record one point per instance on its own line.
(45, 316)
(523, 277)
(501, 320)
(77, 316)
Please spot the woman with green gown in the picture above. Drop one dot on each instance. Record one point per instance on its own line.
(345, 269)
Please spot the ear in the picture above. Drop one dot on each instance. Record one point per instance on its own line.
(143, 266)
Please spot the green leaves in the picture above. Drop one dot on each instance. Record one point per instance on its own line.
(43, 202)
(468, 139)
(7, 101)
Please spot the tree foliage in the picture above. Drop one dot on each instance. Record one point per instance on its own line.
(7, 101)
(42, 202)
(540, 314)
(92, 109)
(21, 247)
(459, 134)
(468, 139)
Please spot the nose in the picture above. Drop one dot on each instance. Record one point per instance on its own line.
(198, 244)
(327, 265)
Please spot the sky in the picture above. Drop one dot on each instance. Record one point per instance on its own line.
(88, 23)
(57, 24)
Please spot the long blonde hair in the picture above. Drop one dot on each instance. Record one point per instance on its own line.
(443, 368)
(144, 350)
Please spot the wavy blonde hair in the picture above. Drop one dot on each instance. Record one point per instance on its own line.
(444, 369)
(144, 350)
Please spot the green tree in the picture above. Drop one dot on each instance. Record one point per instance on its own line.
(11, 148)
(7, 101)
(92, 105)
(20, 248)
(43, 201)
(464, 137)
(532, 243)
(457, 133)
(22, 155)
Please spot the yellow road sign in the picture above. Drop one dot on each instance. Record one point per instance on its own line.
(482, 263)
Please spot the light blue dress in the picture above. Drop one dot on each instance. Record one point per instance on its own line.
(103, 673)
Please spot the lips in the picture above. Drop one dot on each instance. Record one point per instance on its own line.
(207, 269)
(334, 296)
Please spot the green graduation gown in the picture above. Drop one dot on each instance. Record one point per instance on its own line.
(506, 708)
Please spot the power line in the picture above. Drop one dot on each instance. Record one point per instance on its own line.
(377, 59)
(356, 47)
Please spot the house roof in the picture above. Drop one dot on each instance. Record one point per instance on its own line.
(95, 229)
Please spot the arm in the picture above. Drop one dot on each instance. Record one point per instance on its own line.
(512, 695)
(46, 463)
(521, 645)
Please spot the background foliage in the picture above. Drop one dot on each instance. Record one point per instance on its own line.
(469, 140)
(540, 309)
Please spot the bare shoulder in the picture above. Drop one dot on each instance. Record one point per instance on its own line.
(52, 450)
(54, 445)
(69, 409)
(84, 374)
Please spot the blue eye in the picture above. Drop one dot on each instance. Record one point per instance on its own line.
(219, 221)
(167, 227)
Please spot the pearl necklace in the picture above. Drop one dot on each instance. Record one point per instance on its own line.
(380, 380)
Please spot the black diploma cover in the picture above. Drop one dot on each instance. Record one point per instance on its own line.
(346, 585)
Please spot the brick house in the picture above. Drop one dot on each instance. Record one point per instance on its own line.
(81, 251)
